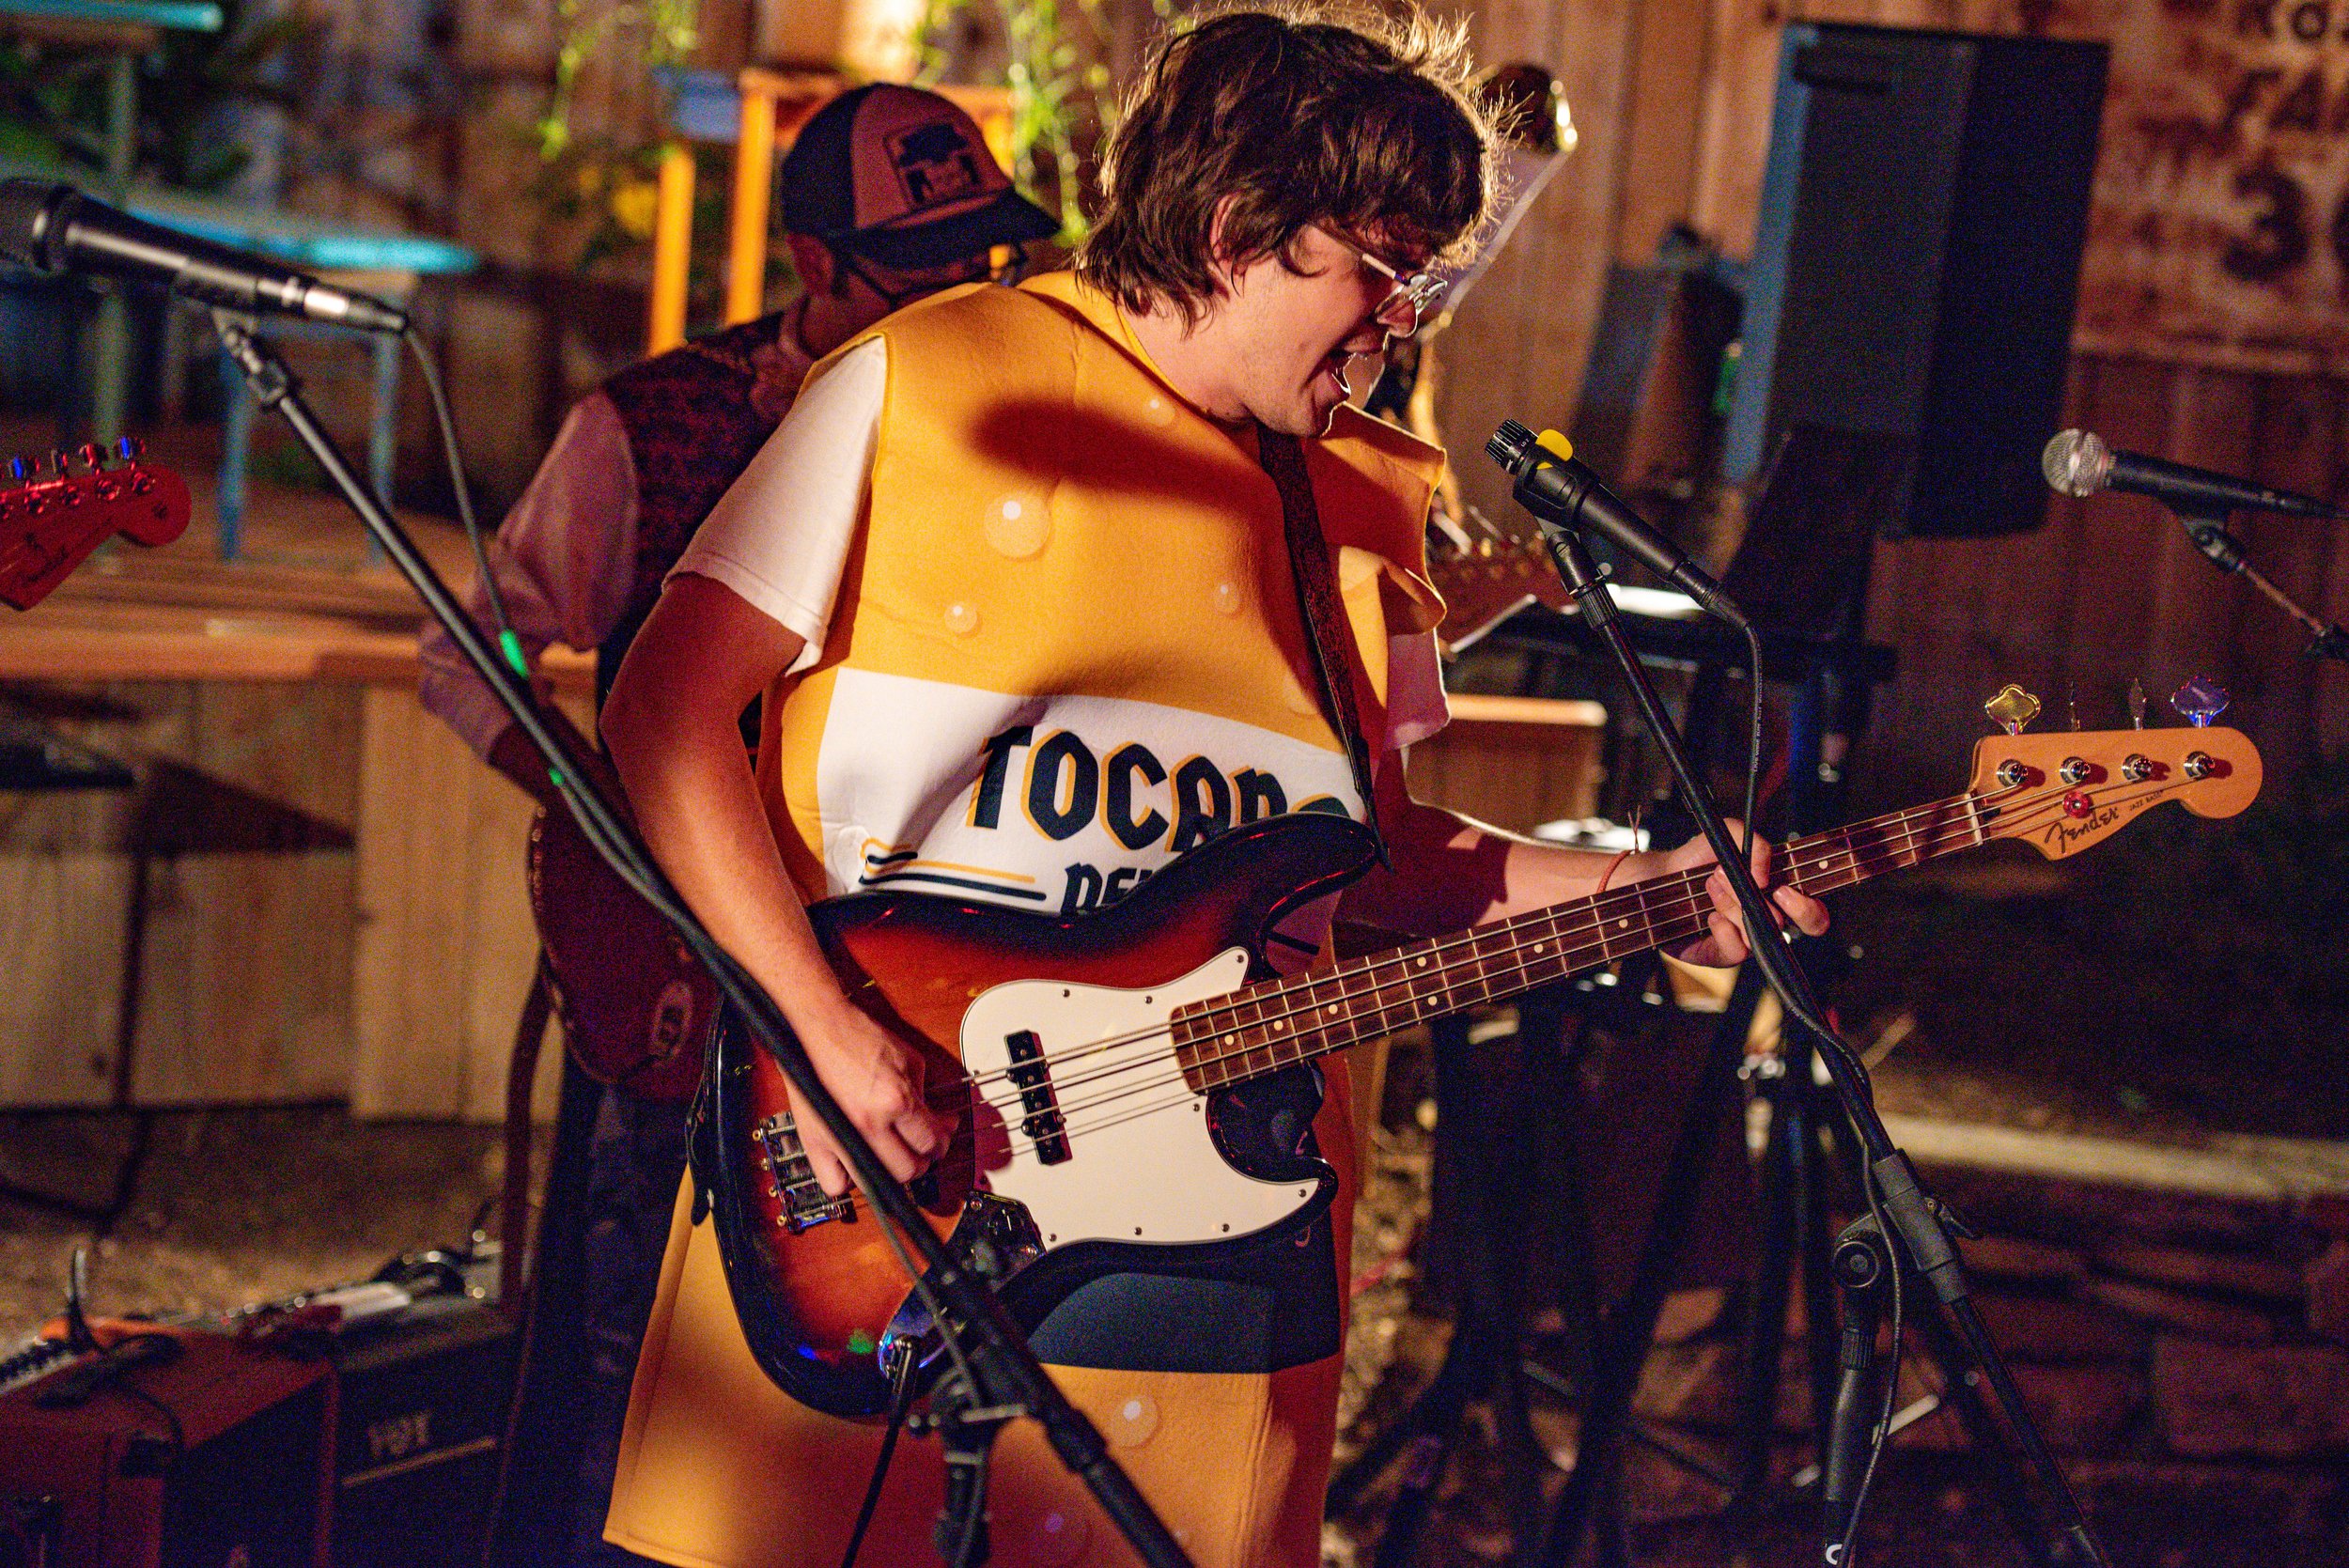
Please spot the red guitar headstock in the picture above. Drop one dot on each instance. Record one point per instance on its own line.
(53, 514)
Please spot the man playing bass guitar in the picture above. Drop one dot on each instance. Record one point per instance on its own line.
(1014, 580)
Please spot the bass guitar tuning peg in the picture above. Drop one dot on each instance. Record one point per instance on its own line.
(2012, 708)
(2136, 704)
(2199, 700)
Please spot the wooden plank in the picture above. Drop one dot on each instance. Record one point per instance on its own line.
(2197, 611)
(2112, 578)
(62, 918)
(242, 816)
(2296, 434)
(445, 947)
(259, 897)
(1671, 60)
(1520, 341)
(415, 915)
(1735, 137)
(1513, 762)
(137, 641)
(2332, 680)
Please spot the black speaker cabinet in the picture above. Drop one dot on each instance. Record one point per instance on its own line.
(423, 1403)
(106, 1484)
(1917, 263)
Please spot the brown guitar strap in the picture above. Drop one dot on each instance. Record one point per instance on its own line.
(1324, 615)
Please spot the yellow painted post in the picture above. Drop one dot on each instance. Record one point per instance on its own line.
(753, 178)
(671, 249)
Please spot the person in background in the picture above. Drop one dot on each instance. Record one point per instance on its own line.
(888, 193)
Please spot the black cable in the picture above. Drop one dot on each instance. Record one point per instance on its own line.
(1883, 1432)
(171, 1416)
(1753, 730)
(900, 1402)
(455, 455)
(613, 853)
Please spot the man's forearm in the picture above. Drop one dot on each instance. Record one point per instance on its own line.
(1451, 873)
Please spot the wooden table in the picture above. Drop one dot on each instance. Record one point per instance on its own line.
(333, 887)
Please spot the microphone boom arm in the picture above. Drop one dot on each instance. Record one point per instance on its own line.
(2224, 551)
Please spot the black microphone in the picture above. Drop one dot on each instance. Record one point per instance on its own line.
(2078, 463)
(56, 228)
(1553, 484)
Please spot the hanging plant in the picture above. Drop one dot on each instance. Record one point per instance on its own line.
(1059, 88)
(603, 178)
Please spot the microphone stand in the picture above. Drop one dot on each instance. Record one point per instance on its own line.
(2208, 530)
(1922, 1223)
(1010, 1379)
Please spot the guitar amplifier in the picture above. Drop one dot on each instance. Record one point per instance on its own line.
(422, 1413)
(110, 1483)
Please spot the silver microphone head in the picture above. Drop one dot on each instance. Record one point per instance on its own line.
(2077, 462)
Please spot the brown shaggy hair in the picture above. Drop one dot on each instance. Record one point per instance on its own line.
(1325, 111)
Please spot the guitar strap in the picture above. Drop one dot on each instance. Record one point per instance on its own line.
(1284, 459)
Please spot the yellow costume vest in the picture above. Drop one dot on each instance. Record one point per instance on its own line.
(1065, 647)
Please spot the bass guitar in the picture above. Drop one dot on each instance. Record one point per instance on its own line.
(1137, 1077)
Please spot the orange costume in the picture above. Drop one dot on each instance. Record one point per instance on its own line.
(1064, 648)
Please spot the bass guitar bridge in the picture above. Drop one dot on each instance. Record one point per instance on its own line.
(791, 1181)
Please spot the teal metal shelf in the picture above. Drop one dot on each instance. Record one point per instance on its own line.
(180, 16)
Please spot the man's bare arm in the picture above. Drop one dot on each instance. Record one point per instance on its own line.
(1451, 873)
(670, 727)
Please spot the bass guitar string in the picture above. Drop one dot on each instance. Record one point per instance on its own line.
(1944, 829)
(1686, 888)
(1679, 885)
(1815, 870)
(1568, 961)
(1811, 857)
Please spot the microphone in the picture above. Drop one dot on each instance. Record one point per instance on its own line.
(2078, 463)
(1554, 485)
(56, 228)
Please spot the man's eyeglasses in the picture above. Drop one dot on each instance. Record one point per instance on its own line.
(1414, 296)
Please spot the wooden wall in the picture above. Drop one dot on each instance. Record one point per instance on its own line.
(1672, 98)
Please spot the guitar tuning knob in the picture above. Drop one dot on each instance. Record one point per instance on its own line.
(18, 470)
(2199, 700)
(130, 448)
(2013, 708)
(2136, 704)
(87, 452)
(56, 459)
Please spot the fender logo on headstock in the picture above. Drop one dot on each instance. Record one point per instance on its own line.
(2061, 834)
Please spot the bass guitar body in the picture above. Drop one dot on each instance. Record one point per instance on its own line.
(1080, 1145)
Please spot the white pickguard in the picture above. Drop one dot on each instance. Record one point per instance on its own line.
(1143, 1168)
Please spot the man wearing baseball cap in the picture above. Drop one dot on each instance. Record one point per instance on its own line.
(888, 193)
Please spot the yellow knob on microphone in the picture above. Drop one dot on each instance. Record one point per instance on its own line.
(1556, 445)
